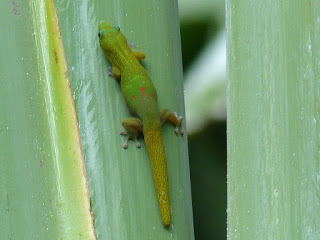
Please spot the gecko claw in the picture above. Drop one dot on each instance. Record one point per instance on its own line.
(178, 117)
(131, 45)
(179, 129)
(125, 145)
(178, 126)
(110, 73)
(130, 137)
(138, 145)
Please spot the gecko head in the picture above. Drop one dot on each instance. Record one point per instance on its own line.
(109, 34)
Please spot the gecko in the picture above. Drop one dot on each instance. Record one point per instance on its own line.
(141, 98)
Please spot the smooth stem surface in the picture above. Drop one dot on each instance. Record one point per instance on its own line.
(43, 189)
(273, 119)
(123, 195)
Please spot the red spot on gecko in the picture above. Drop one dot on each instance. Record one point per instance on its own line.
(134, 97)
(151, 95)
(143, 91)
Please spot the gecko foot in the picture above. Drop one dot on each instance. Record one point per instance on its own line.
(131, 45)
(110, 73)
(130, 137)
(178, 126)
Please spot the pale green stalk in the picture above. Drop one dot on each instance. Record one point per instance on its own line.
(43, 189)
(273, 94)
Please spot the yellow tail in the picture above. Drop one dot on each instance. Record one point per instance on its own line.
(153, 139)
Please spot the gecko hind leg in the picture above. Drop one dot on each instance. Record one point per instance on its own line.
(166, 114)
(133, 127)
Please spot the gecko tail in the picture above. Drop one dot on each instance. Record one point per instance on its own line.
(155, 146)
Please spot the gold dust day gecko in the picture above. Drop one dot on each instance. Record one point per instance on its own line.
(141, 98)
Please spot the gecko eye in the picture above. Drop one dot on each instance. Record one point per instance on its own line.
(100, 34)
(117, 27)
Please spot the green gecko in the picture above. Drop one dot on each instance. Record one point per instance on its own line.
(141, 98)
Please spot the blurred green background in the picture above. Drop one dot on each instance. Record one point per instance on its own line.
(203, 40)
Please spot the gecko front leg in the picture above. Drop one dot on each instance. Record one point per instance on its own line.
(139, 55)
